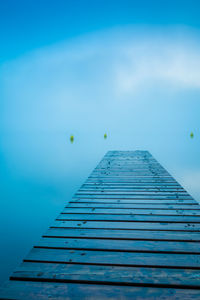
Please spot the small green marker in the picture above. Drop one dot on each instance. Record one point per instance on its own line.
(71, 138)
(191, 135)
(105, 136)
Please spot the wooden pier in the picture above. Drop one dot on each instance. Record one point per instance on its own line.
(130, 232)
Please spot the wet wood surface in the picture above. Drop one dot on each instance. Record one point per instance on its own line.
(130, 232)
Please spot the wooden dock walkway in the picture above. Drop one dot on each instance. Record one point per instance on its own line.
(130, 232)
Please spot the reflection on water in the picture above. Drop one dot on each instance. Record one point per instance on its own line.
(41, 171)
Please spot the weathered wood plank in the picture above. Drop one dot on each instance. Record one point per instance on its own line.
(123, 234)
(132, 193)
(133, 196)
(131, 182)
(142, 177)
(131, 179)
(137, 201)
(124, 168)
(129, 167)
(128, 225)
(190, 261)
(134, 211)
(107, 180)
(131, 185)
(137, 170)
(120, 245)
(119, 205)
(140, 182)
(138, 197)
(130, 189)
(133, 174)
(20, 290)
(130, 218)
(112, 275)
(135, 193)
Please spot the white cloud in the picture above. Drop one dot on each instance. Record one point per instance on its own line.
(87, 74)
(175, 63)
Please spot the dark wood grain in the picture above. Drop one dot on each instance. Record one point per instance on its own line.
(133, 196)
(119, 205)
(164, 226)
(119, 245)
(124, 234)
(23, 290)
(130, 218)
(109, 274)
(134, 211)
(190, 261)
(136, 201)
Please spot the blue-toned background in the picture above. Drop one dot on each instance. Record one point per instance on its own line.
(130, 69)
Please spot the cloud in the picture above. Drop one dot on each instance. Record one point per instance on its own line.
(175, 65)
(57, 85)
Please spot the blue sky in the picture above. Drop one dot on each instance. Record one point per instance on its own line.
(27, 25)
(127, 68)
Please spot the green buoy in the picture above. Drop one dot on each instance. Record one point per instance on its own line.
(71, 138)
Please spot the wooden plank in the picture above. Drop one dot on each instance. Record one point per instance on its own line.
(114, 191)
(130, 189)
(127, 171)
(130, 197)
(136, 201)
(136, 169)
(128, 225)
(130, 167)
(111, 181)
(162, 212)
(119, 205)
(138, 185)
(123, 234)
(135, 173)
(133, 185)
(132, 180)
(130, 218)
(150, 166)
(135, 195)
(190, 261)
(132, 193)
(109, 172)
(112, 275)
(23, 290)
(117, 163)
(127, 177)
(120, 245)
(152, 179)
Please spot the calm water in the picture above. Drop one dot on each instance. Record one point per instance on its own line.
(41, 171)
